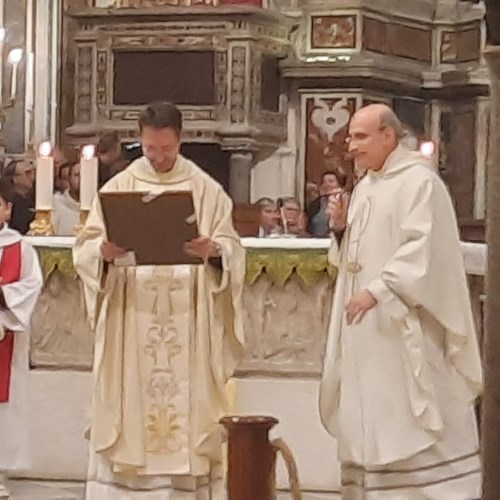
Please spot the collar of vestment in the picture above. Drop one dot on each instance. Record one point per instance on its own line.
(9, 236)
(400, 159)
(143, 170)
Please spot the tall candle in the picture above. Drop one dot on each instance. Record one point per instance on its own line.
(44, 187)
(14, 58)
(88, 177)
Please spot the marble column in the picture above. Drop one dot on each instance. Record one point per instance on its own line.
(491, 346)
(240, 169)
(482, 145)
(47, 46)
(14, 17)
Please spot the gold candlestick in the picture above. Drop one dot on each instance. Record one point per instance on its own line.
(42, 224)
(81, 223)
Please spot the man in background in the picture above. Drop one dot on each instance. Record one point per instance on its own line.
(269, 218)
(20, 173)
(294, 219)
(316, 211)
(110, 155)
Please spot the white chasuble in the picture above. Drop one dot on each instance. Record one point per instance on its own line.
(167, 341)
(398, 387)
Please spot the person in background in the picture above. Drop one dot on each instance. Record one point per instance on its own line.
(331, 182)
(293, 218)
(61, 181)
(312, 192)
(66, 214)
(20, 173)
(269, 218)
(110, 155)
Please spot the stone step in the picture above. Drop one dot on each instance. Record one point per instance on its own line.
(60, 490)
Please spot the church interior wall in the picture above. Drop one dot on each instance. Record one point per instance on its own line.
(307, 137)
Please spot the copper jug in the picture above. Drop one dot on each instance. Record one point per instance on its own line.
(252, 459)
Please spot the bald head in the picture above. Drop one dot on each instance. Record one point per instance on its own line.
(384, 116)
(374, 132)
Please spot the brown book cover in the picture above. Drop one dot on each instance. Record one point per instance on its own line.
(152, 226)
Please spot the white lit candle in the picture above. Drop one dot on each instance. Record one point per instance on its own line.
(427, 149)
(88, 176)
(14, 58)
(44, 187)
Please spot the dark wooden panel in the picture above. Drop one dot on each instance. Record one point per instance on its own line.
(412, 113)
(246, 219)
(143, 77)
(374, 35)
(469, 45)
(406, 41)
(458, 158)
(271, 83)
(211, 158)
(397, 39)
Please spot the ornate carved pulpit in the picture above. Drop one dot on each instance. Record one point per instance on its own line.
(220, 64)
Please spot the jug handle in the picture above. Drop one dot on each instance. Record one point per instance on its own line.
(280, 446)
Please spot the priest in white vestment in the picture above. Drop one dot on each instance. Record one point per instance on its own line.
(402, 368)
(167, 337)
(21, 280)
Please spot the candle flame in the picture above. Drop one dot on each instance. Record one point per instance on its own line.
(88, 152)
(15, 56)
(45, 149)
(427, 149)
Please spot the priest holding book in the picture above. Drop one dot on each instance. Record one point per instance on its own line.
(167, 337)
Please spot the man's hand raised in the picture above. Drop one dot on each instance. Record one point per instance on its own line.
(110, 251)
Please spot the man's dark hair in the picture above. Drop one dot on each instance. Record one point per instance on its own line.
(108, 142)
(161, 115)
(341, 179)
(6, 190)
(9, 169)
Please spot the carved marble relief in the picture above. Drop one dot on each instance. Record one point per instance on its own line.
(449, 46)
(238, 84)
(83, 85)
(60, 334)
(286, 315)
(286, 326)
(326, 120)
(333, 32)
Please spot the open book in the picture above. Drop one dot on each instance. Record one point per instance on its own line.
(152, 227)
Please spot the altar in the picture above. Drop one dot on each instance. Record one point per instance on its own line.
(287, 295)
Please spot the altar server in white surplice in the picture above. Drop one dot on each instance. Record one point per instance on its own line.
(402, 367)
(167, 337)
(20, 284)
